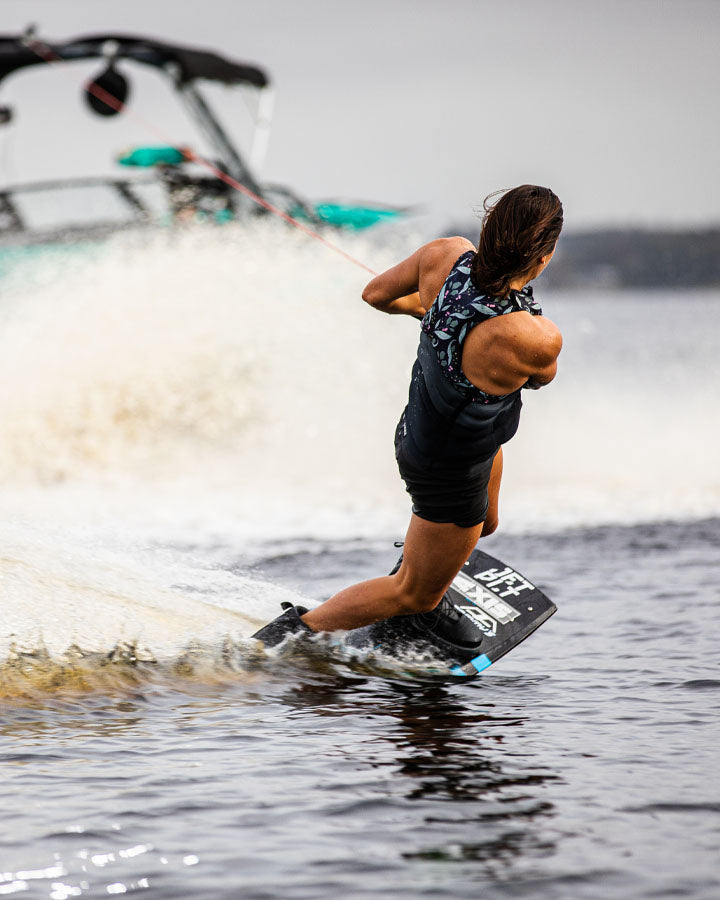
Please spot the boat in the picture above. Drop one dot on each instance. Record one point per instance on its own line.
(158, 184)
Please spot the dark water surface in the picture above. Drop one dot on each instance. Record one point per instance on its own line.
(583, 765)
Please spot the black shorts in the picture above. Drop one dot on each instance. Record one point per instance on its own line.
(443, 494)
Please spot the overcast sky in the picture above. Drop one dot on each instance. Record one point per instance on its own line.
(612, 103)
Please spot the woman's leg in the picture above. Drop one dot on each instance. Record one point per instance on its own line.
(433, 554)
(491, 517)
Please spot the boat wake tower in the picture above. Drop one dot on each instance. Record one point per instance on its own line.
(186, 194)
(184, 67)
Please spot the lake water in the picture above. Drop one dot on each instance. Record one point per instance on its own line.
(196, 430)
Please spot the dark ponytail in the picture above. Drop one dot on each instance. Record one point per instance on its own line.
(517, 231)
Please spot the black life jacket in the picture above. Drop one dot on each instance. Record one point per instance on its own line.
(448, 422)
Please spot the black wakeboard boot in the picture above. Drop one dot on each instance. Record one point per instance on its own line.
(288, 623)
(446, 622)
(446, 633)
(450, 625)
(448, 630)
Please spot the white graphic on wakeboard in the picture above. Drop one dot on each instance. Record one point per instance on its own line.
(511, 582)
(489, 603)
(484, 622)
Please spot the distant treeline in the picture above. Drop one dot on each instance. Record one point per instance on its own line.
(632, 257)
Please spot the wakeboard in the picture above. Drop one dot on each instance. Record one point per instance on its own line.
(488, 610)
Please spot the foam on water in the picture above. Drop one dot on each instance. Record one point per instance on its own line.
(228, 363)
(228, 387)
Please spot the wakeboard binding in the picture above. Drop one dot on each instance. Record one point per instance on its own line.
(287, 624)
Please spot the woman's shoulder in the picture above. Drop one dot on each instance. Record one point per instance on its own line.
(444, 252)
(436, 262)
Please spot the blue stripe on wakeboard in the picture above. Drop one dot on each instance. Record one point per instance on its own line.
(479, 663)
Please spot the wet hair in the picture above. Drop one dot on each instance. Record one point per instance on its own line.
(517, 231)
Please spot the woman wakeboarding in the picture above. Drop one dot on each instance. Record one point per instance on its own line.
(483, 339)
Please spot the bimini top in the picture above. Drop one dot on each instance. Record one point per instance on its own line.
(16, 53)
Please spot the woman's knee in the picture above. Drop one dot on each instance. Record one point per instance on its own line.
(414, 597)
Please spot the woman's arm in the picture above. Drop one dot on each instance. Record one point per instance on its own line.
(408, 305)
(410, 287)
